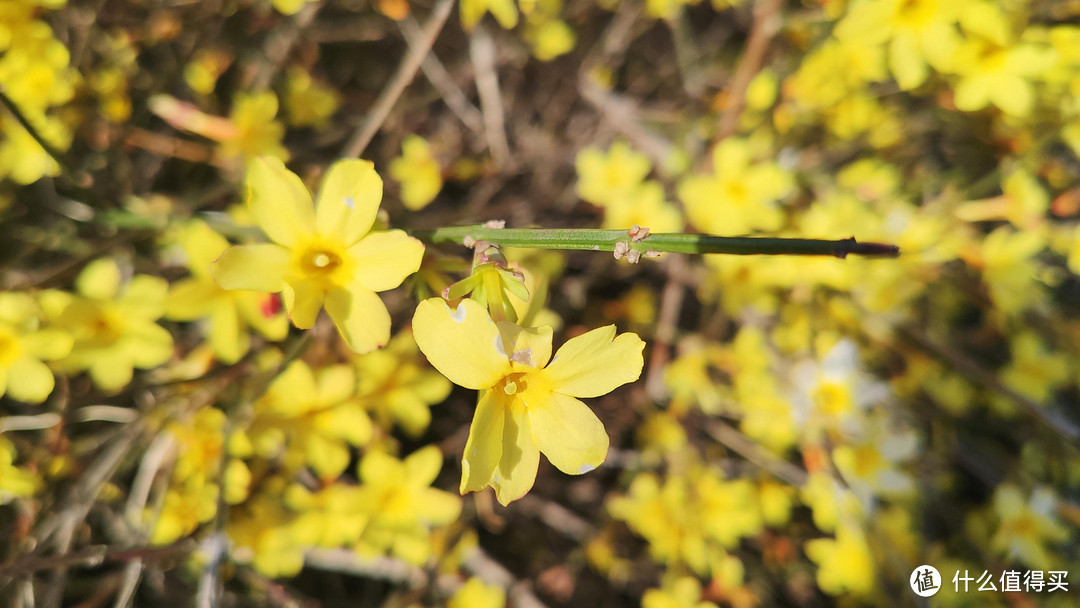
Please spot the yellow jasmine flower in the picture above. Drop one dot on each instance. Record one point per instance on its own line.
(1026, 525)
(324, 254)
(739, 196)
(1034, 371)
(22, 158)
(254, 131)
(206, 66)
(418, 172)
(549, 37)
(526, 405)
(402, 505)
(289, 7)
(331, 517)
(23, 348)
(845, 564)
(318, 411)
(229, 313)
(396, 386)
(192, 503)
(1007, 260)
(310, 103)
(994, 67)
(643, 206)
(504, 11)
(113, 325)
(476, 594)
(604, 177)
(14, 481)
(684, 592)
(919, 34)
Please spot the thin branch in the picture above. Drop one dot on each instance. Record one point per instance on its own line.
(95, 556)
(442, 81)
(405, 73)
(619, 240)
(482, 52)
(766, 25)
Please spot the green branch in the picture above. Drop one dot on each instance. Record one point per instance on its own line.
(613, 240)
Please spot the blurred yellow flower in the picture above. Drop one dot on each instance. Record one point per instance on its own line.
(418, 172)
(15, 482)
(1026, 525)
(316, 414)
(604, 177)
(323, 255)
(24, 345)
(397, 387)
(228, 312)
(402, 505)
(113, 325)
(310, 103)
(919, 34)
(845, 564)
(739, 195)
(526, 405)
(254, 131)
(476, 594)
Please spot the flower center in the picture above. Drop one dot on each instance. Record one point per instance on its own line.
(515, 383)
(320, 262)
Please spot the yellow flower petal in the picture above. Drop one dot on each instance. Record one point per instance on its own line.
(348, 200)
(516, 473)
(384, 259)
(360, 316)
(380, 468)
(347, 422)
(144, 297)
(48, 344)
(190, 299)
(254, 267)
(29, 380)
(328, 457)
(336, 384)
(110, 375)
(148, 344)
(303, 300)
(279, 201)
(99, 280)
(906, 61)
(423, 465)
(436, 507)
(569, 434)
(483, 448)
(530, 347)
(594, 363)
(227, 337)
(463, 344)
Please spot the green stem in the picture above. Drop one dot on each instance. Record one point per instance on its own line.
(605, 240)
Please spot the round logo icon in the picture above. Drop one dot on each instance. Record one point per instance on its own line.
(925, 581)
